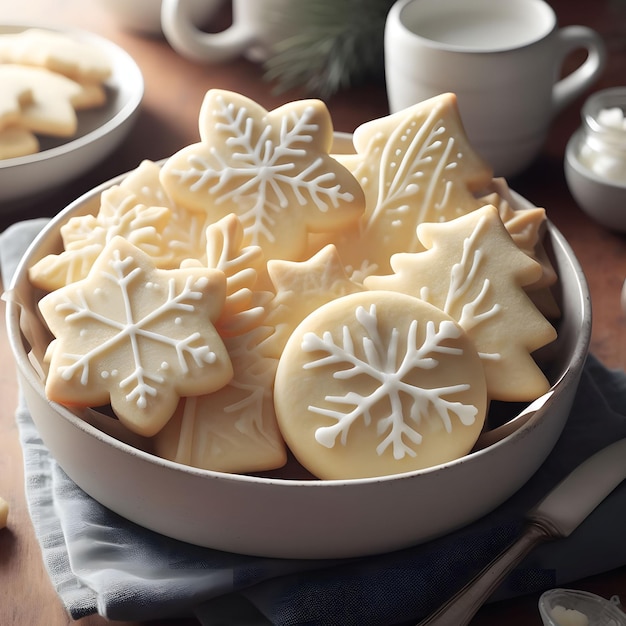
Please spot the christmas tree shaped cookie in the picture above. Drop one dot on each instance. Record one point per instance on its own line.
(272, 169)
(414, 166)
(474, 272)
(137, 336)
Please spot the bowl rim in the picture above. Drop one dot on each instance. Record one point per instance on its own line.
(13, 307)
(126, 111)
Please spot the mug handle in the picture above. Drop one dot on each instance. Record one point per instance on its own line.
(191, 42)
(572, 38)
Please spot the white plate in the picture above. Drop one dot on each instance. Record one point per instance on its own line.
(100, 130)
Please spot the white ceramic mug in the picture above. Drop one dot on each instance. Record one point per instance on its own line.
(502, 58)
(256, 28)
(144, 16)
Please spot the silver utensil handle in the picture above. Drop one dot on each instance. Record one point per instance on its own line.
(464, 604)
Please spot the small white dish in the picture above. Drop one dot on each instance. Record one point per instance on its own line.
(596, 610)
(100, 130)
(595, 159)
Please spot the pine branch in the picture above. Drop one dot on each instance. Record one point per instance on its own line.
(337, 44)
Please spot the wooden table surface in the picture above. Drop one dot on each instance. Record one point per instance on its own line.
(174, 88)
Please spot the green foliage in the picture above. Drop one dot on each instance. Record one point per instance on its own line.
(338, 43)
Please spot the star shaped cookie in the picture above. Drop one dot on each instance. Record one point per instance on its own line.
(302, 287)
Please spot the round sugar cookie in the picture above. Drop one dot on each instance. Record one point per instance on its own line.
(378, 383)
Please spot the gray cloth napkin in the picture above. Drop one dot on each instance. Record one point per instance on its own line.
(102, 563)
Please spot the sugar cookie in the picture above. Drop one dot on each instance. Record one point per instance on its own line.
(46, 77)
(85, 236)
(415, 166)
(272, 169)
(50, 111)
(13, 97)
(185, 231)
(136, 336)
(527, 227)
(91, 95)
(244, 307)
(378, 383)
(233, 429)
(302, 287)
(57, 52)
(474, 272)
(16, 141)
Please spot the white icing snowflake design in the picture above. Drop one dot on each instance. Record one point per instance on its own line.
(117, 332)
(381, 364)
(266, 169)
(139, 381)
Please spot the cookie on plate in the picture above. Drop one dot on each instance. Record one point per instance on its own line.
(56, 51)
(16, 141)
(50, 110)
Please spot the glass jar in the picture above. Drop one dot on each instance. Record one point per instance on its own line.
(603, 144)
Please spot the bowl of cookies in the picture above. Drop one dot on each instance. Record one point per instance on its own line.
(70, 98)
(276, 336)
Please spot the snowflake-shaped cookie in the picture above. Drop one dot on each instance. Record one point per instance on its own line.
(185, 230)
(272, 169)
(85, 236)
(136, 335)
(377, 383)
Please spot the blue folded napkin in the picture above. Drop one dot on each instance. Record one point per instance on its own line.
(102, 563)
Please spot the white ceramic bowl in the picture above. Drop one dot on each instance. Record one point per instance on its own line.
(278, 517)
(601, 199)
(100, 130)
